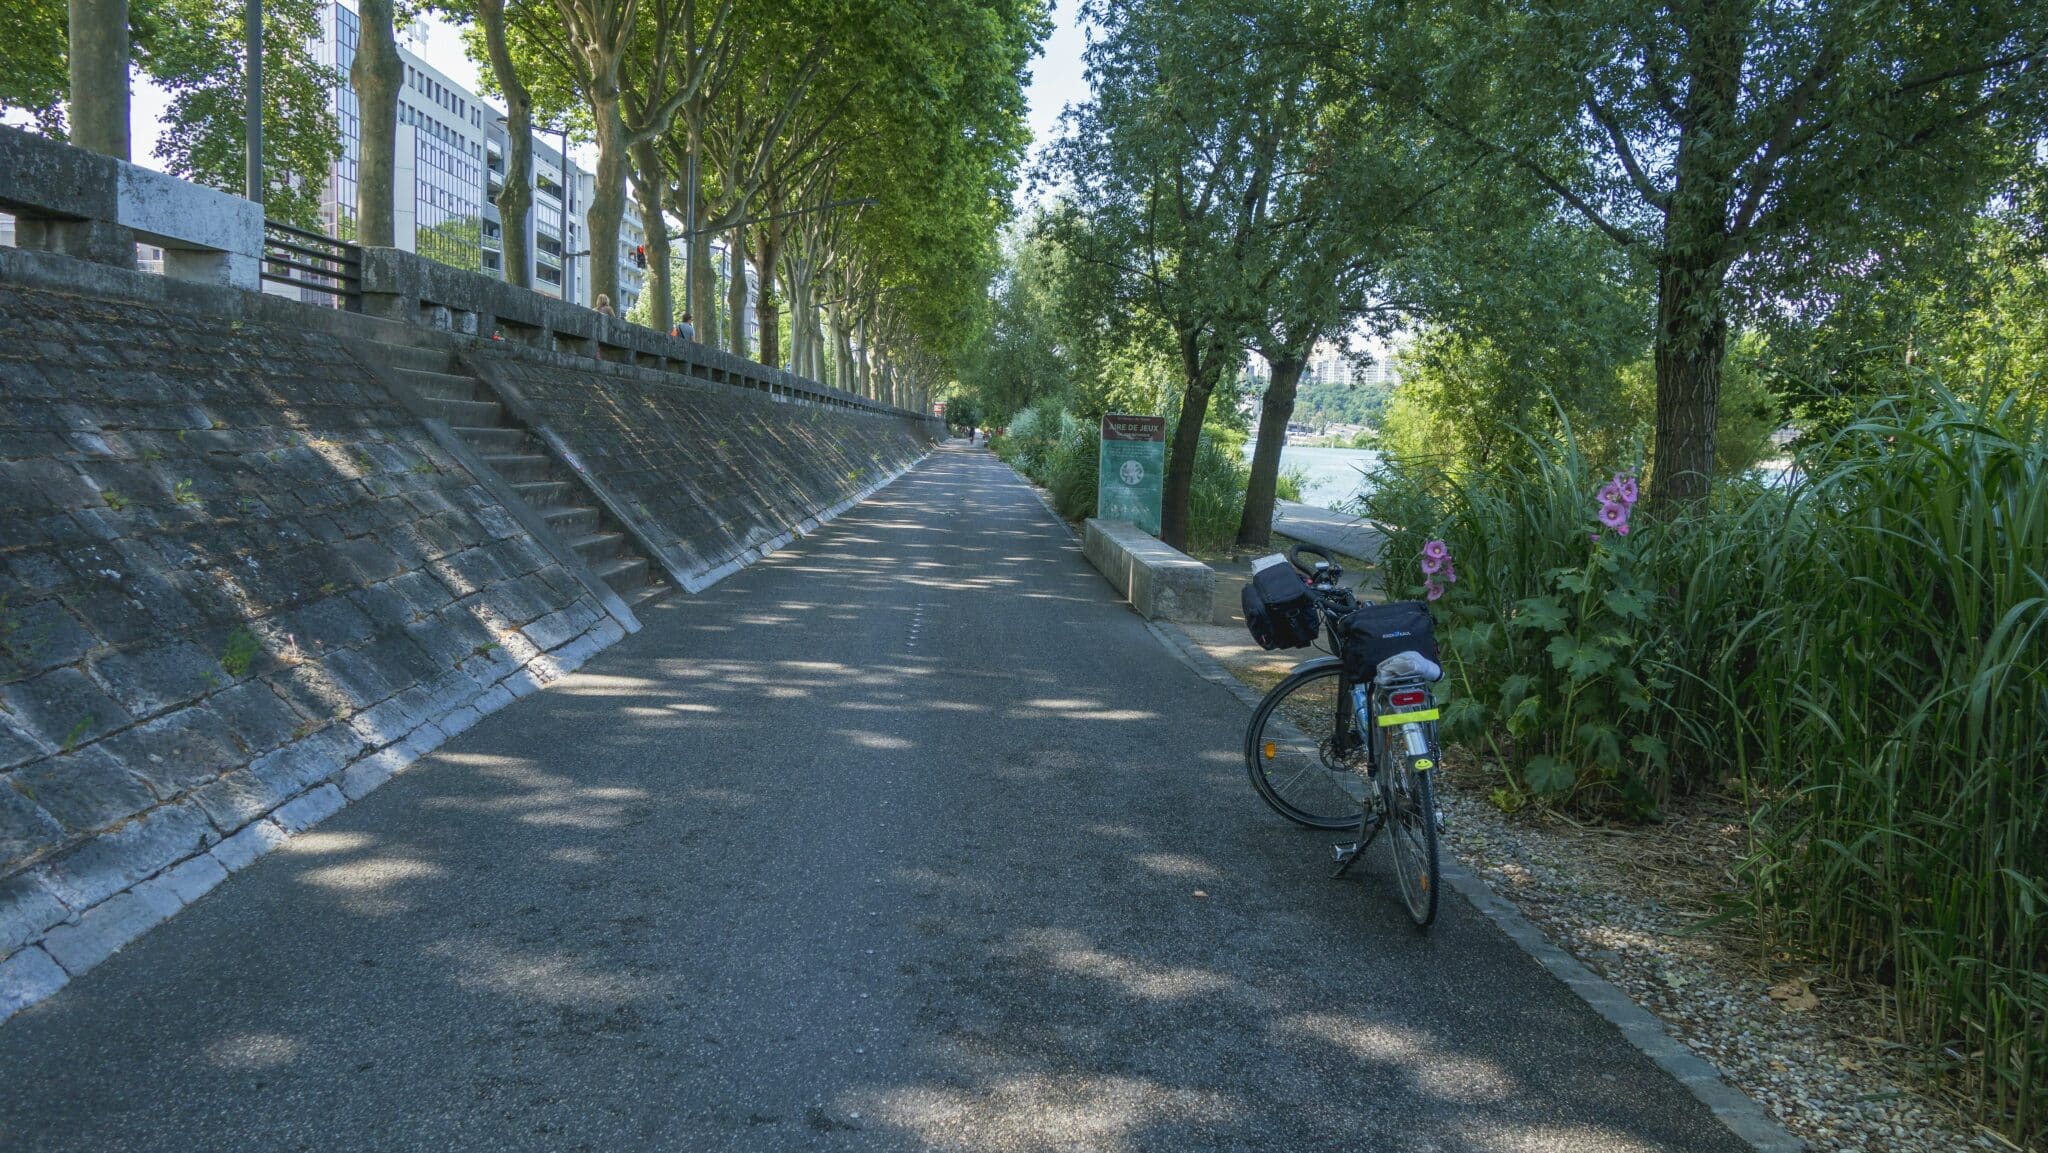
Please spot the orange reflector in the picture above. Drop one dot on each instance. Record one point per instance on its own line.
(1272, 750)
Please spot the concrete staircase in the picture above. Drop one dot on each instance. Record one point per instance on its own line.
(547, 486)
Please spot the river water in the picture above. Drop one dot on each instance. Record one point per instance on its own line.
(1332, 476)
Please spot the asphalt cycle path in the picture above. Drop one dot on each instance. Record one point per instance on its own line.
(909, 837)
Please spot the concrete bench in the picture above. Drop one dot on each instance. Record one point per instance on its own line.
(1160, 581)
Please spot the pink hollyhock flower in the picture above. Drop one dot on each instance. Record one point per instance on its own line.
(1450, 574)
(1614, 516)
(1629, 492)
(1432, 565)
(1610, 493)
(1621, 529)
(1436, 550)
(1432, 590)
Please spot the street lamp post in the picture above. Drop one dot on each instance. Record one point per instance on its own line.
(689, 233)
(562, 169)
(252, 113)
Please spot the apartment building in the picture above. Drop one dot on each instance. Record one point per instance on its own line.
(450, 165)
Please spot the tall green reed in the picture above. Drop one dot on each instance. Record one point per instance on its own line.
(1863, 656)
(1906, 698)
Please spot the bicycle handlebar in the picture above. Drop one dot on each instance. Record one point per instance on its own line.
(1294, 558)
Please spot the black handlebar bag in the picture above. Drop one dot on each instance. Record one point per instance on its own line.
(1279, 610)
(1372, 633)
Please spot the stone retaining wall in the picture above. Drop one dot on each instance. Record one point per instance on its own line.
(238, 587)
(709, 477)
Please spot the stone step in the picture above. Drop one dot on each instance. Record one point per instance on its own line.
(571, 520)
(517, 466)
(428, 359)
(543, 493)
(599, 546)
(493, 441)
(440, 385)
(466, 413)
(623, 574)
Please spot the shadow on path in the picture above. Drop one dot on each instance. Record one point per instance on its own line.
(891, 842)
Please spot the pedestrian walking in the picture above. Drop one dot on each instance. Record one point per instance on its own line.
(686, 330)
(604, 304)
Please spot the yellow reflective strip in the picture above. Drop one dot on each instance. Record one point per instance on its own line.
(1391, 719)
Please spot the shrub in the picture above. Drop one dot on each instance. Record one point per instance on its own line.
(1071, 468)
(1061, 453)
(1288, 485)
(1216, 491)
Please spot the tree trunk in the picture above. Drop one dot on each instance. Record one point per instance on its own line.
(842, 348)
(376, 76)
(800, 344)
(703, 289)
(1692, 314)
(1692, 336)
(766, 310)
(515, 199)
(1255, 527)
(654, 223)
(863, 360)
(1200, 370)
(814, 333)
(608, 201)
(99, 55)
(736, 291)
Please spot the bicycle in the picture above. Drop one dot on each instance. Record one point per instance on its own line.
(1311, 760)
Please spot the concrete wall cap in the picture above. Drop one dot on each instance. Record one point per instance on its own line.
(174, 213)
(38, 174)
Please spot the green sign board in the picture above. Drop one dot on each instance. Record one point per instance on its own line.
(1131, 471)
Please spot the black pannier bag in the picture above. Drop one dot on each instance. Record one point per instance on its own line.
(1372, 633)
(1279, 610)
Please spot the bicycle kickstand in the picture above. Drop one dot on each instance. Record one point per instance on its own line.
(1347, 855)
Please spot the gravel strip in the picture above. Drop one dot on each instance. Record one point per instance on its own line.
(1816, 1057)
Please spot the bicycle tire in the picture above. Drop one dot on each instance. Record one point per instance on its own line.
(1289, 753)
(1408, 799)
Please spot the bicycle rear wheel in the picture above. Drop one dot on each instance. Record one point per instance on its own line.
(1301, 743)
(1409, 802)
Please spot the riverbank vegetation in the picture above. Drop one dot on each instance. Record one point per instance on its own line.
(1659, 245)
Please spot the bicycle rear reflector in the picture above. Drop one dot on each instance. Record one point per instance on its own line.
(1272, 750)
(1408, 700)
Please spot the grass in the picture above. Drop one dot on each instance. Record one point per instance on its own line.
(241, 652)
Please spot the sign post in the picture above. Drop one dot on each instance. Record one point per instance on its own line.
(1131, 471)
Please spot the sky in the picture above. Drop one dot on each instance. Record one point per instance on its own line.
(1058, 77)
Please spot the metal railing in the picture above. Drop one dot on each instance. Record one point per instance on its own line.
(308, 260)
